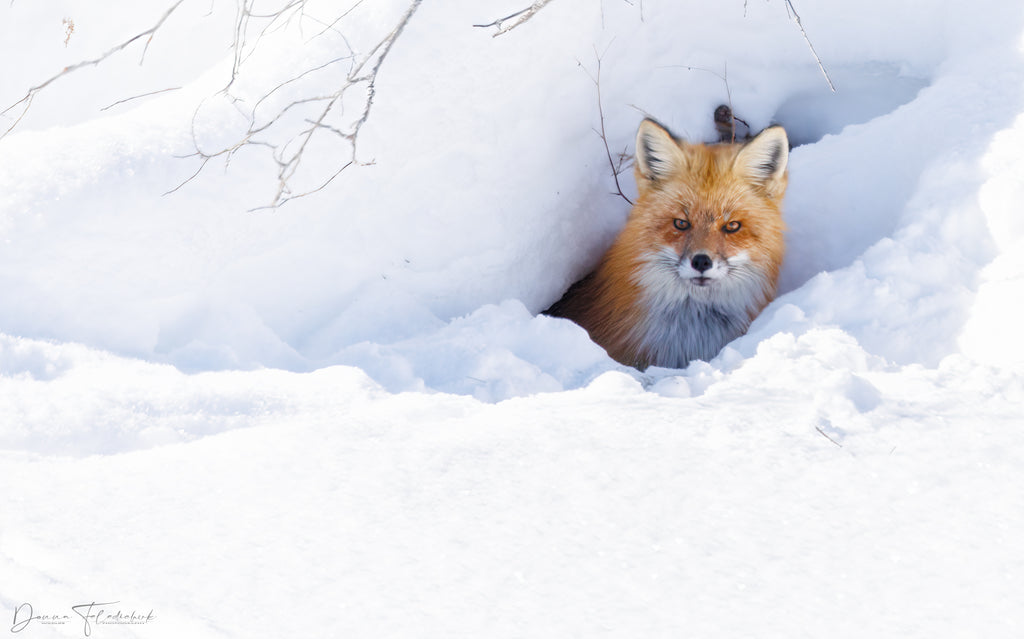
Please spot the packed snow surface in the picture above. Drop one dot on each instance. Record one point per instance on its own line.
(344, 417)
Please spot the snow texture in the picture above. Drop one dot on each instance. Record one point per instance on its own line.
(345, 417)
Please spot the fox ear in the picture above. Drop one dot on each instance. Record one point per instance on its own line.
(658, 155)
(763, 160)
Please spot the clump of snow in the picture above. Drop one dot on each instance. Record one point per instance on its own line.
(350, 404)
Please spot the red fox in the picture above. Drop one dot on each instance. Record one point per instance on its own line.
(699, 256)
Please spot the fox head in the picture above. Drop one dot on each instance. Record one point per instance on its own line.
(699, 256)
(707, 223)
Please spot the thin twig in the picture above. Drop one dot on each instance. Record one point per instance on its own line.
(517, 18)
(825, 435)
(268, 94)
(322, 186)
(190, 178)
(501, 21)
(791, 10)
(604, 136)
(136, 97)
(332, 25)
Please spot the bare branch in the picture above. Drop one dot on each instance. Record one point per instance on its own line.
(280, 18)
(26, 101)
(288, 155)
(604, 136)
(385, 48)
(344, 15)
(191, 177)
(501, 21)
(324, 185)
(791, 11)
(825, 435)
(517, 18)
(136, 97)
(307, 72)
(364, 72)
(282, 121)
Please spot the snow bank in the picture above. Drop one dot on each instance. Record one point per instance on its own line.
(807, 492)
(472, 201)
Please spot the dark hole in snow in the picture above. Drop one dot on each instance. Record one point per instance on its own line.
(863, 92)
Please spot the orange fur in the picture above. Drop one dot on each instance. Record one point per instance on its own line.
(682, 280)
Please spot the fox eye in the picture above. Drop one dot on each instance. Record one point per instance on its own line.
(682, 225)
(732, 226)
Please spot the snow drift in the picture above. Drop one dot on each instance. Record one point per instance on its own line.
(473, 202)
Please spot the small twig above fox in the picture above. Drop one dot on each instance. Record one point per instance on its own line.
(624, 157)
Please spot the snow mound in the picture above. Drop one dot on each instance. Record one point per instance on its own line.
(422, 267)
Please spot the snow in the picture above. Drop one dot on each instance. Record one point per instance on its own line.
(345, 417)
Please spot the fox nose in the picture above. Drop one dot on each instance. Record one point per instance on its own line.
(701, 262)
